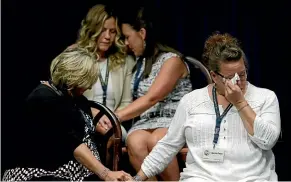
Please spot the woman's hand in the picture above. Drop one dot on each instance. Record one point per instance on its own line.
(118, 176)
(233, 93)
(103, 125)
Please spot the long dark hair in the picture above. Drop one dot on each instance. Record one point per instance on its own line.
(139, 18)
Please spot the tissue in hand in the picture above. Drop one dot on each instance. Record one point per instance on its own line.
(235, 79)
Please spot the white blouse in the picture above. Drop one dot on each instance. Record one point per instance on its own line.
(246, 157)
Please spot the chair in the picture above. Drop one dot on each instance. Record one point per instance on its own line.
(198, 65)
(116, 131)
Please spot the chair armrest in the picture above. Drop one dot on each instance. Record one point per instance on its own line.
(116, 131)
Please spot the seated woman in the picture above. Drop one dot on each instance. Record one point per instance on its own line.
(229, 127)
(56, 132)
(160, 79)
(101, 35)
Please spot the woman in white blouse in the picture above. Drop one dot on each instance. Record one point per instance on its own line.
(230, 126)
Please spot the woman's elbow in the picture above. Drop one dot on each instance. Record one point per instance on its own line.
(270, 142)
(267, 146)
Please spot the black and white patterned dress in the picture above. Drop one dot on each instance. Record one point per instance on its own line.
(161, 114)
(72, 171)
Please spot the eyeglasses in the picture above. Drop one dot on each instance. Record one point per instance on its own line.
(242, 75)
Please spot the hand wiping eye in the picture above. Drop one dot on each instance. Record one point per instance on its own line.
(235, 79)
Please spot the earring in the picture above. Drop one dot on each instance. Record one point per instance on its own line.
(144, 44)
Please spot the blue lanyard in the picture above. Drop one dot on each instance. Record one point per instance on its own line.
(137, 78)
(104, 84)
(218, 117)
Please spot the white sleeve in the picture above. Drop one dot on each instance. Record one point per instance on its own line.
(267, 125)
(168, 147)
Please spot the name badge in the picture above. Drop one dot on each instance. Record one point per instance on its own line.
(213, 155)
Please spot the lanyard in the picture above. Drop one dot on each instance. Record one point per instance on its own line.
(104, 83)
(218, 117)
(137, 78)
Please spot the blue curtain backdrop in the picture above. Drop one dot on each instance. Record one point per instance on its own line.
(34, 32)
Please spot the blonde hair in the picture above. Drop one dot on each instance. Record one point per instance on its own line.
(222, 48)
(74, 67)
(91, 28)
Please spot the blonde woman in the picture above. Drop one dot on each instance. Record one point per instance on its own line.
(55, 140)
(101, 35)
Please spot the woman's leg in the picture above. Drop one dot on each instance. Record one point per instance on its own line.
(138, 149)
(172, 172)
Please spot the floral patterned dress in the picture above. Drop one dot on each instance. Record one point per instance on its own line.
(161, 114)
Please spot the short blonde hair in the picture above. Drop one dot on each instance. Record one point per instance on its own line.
(74, 67)
(91, 28)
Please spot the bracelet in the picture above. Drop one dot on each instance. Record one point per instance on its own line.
(241, 101)
(104, 173)
(137, 178)
(243, 107)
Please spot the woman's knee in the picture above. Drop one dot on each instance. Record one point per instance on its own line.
(137, 142)
(157, 135)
